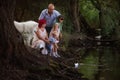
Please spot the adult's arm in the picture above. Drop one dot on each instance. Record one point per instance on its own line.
(57, 13)
(38, 35)
(42, 15)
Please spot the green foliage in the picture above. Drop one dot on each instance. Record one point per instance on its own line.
(68, 26)
(109, 21)
(90, 13)
(65, 39)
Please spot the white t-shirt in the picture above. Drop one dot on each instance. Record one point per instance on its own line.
(43, 34)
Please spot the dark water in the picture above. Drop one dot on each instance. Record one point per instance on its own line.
(101, 63)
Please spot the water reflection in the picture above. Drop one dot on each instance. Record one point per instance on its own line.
(100, 63)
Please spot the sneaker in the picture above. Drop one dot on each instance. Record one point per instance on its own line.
(44, 51)
(54, 54)
(57, 54)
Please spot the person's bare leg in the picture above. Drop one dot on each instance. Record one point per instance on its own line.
(54, 51)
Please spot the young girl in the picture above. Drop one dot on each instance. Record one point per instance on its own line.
(57, 30)
(53, 44)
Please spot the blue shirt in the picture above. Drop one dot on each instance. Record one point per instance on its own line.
(51, 19)
(52, 40)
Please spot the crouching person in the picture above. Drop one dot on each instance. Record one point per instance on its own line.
(41, 37)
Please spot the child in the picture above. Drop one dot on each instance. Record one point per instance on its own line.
(53, 44)
(55, 32)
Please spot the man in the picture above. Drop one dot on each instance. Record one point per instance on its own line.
(50, 15)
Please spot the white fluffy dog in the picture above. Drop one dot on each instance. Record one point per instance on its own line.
(27, 30)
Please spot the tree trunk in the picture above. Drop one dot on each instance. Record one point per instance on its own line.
(12, 48)
(74, 11)
(10, 39)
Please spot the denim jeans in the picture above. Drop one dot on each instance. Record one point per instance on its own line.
(48, 48)
(48, 29)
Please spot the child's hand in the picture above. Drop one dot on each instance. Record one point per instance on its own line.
(47, 41)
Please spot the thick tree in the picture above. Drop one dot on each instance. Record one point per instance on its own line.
(10, 39)
(79, 22)
(74, 13)
(13, 52)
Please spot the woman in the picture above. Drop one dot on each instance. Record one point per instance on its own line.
(57, 28)
(41, 37)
